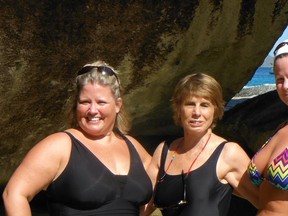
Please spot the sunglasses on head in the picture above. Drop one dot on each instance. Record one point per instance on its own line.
(100, 69)
(180, 204)
(279, 46)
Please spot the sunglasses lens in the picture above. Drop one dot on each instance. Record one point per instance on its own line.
(85, 69)
(105, 70)
(101, 69)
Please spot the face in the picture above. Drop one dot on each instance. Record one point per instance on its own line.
(97, 109)
(281, 77)
(197, 114)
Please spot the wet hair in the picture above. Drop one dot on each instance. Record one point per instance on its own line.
(96, 76)
(200, 85)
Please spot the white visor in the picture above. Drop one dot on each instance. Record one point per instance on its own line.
(281, 48)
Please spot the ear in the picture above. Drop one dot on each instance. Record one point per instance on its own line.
(118, 104)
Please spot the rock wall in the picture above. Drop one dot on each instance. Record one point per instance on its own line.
(253, 121)
(152, 43)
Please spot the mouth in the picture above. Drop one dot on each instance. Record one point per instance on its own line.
(195, 123)
(94, 119)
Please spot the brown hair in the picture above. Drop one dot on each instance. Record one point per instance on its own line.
(202, 85)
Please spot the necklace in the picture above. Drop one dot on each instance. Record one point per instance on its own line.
(189, 170)
(198, 155)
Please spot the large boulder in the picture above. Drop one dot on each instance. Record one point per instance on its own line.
(152, 43)
(253, 121)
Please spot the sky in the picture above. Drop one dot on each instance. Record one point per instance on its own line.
(283, 37)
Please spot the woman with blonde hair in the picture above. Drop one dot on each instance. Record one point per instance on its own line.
(91, 168)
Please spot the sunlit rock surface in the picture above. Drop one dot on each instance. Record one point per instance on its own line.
(152, 44)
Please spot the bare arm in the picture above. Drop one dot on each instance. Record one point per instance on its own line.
(40, 167)
(234, 163)
(153, 170)
(144, 155)
(146, 160)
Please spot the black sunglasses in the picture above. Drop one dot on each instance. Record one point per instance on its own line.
(101, 69)
(182, 203)
(279, 46)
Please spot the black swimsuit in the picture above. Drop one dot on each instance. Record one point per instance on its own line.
(206, 195)
(88, 188)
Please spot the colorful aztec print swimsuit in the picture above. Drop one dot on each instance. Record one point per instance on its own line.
(277, 170)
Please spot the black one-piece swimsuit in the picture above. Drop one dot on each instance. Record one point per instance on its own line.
(88, 188)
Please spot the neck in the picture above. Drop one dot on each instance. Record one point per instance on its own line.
(195, 139)
(98, 137)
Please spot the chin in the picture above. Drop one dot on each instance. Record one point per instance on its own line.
(285, 100)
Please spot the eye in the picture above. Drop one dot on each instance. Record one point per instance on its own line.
(83, 101)
(189, 103)
(206, 104)
(102, 102)
(279, 80)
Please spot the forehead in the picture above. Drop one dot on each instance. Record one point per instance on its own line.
(195, 97)
(281, 66)
(95, 89)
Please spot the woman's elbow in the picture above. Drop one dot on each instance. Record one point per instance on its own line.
(5, 195)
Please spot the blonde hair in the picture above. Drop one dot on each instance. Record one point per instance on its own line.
(201, 85)
(122, 121)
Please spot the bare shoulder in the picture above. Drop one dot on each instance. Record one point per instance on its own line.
(155, 162)
(54, 142)
(133, 140)
(282, 134)
(145, 156)
(232, 164)
(158, 150)
(43, 163)
(54, 147)
(136, 143)
(230, 149)
(233, 152)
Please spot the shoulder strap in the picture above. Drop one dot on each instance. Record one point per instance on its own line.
(163, 156)
(129, 143)
(218, 150)
(223, 144)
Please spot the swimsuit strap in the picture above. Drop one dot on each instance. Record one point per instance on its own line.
(163, 158)
(163, 172)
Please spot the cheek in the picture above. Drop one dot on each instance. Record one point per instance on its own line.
(279, 87)
(285, 84)
(184, 112)
(81, 109)
(107, 110)
(209, 113)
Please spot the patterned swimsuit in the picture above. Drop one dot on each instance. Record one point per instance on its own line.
(277, 172)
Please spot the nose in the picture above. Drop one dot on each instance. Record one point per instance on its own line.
(93, 108)
(196, 110)
(285, 84)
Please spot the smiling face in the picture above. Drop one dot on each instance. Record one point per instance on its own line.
(281, 77)
(196, 114)
(97, 109)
